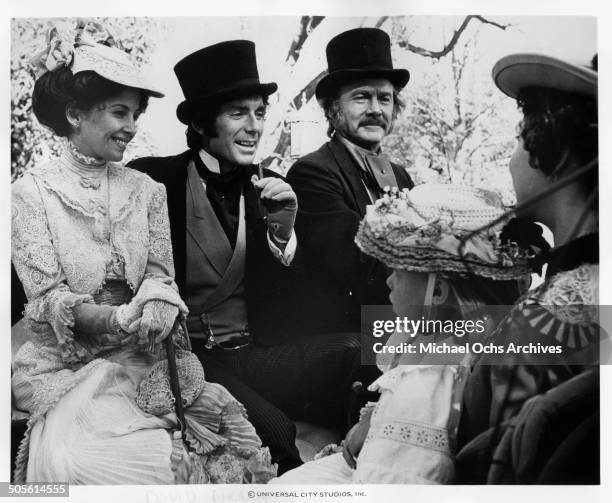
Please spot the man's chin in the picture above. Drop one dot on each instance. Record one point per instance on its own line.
(243, 156)
(369, 141)
(243, 160)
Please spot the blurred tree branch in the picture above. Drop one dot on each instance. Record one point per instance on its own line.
(280, 154)
(453, 40)
(307, 24)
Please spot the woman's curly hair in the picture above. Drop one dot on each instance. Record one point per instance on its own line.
(556, 123)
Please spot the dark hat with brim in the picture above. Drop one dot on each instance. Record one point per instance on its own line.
(218, 73)
(357, 54)
(187, 108)
(517, 71)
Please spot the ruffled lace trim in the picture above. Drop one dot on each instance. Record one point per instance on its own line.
(224, 447)
(216, 419)
(137, 210)
(131, 195)
(21, 460)
(200, 438)
(81, 158)
(55, 308)
(53, 179)
(157, 232)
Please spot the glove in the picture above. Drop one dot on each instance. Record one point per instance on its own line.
(280, 203)
(157, 320)
(128, 316)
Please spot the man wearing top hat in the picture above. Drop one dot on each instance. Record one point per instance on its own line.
(233, 244)
(360, 98)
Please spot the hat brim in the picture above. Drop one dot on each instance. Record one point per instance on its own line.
(428, 259)
(187, 108)
(114, 65)
(517, 71)
(329, 83)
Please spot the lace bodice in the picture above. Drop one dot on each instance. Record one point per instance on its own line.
(77, 222)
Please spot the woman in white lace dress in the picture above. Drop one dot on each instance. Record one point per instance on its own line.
(91, 246)
(408, 436)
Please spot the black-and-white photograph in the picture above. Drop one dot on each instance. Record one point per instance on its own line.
(296, 251)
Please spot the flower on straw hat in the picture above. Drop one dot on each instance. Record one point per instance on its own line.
(57, 52)
(92, 47)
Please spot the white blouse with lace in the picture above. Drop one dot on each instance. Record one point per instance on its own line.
(80, 228)
(76, 222)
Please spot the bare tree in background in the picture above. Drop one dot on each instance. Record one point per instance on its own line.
(309, 23)
(283, 145)
(457, 127)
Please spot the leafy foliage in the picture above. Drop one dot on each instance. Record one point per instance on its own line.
(30, 141)
(457, 127)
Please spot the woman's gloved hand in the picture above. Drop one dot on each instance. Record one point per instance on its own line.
(157, 296)
(157, 320)
(128, 316)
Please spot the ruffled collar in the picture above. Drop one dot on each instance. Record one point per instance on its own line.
(90, 170)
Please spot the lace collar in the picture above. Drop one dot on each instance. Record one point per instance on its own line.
(90, 170)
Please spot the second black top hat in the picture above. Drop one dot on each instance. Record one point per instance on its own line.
(357, 53)
(219, 71)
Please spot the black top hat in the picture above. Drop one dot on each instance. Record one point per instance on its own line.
(220, 71)
(362, 52)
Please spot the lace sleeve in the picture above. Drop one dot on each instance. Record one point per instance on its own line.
(50, 300)
(160, 265)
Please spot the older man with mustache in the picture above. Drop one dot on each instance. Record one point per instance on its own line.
(360, 98)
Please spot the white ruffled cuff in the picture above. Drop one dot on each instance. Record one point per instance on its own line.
(55, 309)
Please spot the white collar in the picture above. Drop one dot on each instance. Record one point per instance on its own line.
(211, 162)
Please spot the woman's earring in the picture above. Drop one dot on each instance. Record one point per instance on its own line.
(75, 123)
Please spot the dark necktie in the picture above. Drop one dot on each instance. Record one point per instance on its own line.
(381, 172)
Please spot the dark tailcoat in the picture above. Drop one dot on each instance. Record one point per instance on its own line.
(267, 280)
(280, 374)
(335, 277)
